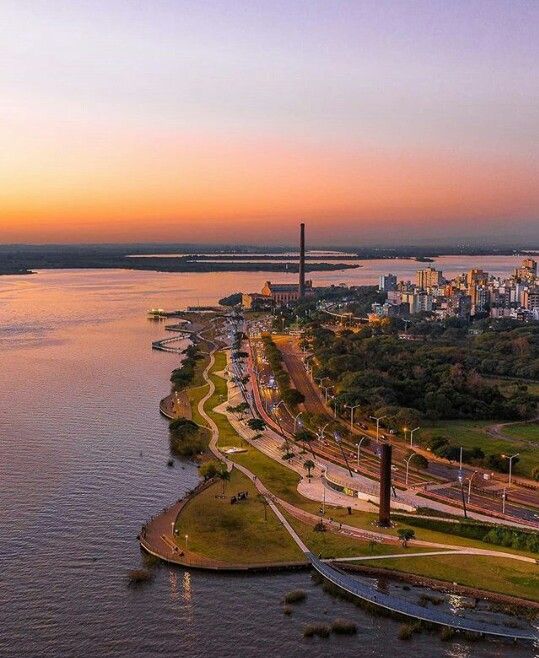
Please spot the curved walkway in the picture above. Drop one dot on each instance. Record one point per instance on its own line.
(400, 606)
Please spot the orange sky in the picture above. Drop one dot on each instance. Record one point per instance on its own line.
(137, 188)
(232, 123)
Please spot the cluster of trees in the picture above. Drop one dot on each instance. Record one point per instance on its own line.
(187, 439)
(499, 535)
(503, 536)
(502, 347)
(291, 396)
(436, 378)
(442, 447)
(184, 375)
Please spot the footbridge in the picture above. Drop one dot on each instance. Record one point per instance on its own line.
(401, 606)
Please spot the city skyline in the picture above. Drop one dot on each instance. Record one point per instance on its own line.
(375, 122)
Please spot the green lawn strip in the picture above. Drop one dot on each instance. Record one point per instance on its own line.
(195, 395)
(491, 574)
(330, 544)
(471, 434)
(236, 534)
(525, 431)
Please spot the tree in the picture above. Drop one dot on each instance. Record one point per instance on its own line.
(419, 461)
(224, 475)
(292, 396)
(256, 424)
(304, 436)
(406, 535)
(309, 465)
(208, 470)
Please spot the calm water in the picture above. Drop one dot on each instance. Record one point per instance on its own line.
(83, 455)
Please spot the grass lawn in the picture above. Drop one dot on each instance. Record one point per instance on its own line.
(237, 534)
(491, 574)
(469, 434)
(330, 544)
(526, 431)
(195, 395)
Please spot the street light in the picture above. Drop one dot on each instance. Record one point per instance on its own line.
(338, 441)
(405, 429)
(296, 421)
(412, 436)
(470, 486)
(378, 419)
(352, 408)
(359, 446)
(510, 458)
(186, 538)
(407, 462)
(320, 433)
(326, 388)
(461, 480)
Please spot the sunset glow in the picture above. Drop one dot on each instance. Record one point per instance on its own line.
(176, 121)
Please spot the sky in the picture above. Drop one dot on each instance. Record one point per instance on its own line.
(375, 122)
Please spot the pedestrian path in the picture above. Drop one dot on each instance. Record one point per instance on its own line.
(401, 606)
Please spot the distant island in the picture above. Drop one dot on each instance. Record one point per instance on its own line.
(24, 259)
(6, 271)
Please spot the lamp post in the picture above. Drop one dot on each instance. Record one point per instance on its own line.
(510, 458)
(296, 421)
(377, 419)
(338, 441)
(359, 447)
(461, 480)
(407, 461)
(405, 430)
(186, 538)
(352, 408)
(325, 389)
(504, 496)
(412, 436)
(320, 433)
(470, 486)
(274, 409)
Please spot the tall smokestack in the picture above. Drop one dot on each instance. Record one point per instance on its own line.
(302, 261)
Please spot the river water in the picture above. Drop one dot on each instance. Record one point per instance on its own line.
(83, 455)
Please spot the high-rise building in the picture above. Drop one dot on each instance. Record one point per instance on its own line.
(527, 271)
(387, 282)
(420, 301)
(429, 278)
(531, 299)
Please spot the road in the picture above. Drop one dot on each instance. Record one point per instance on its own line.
(521, 504)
